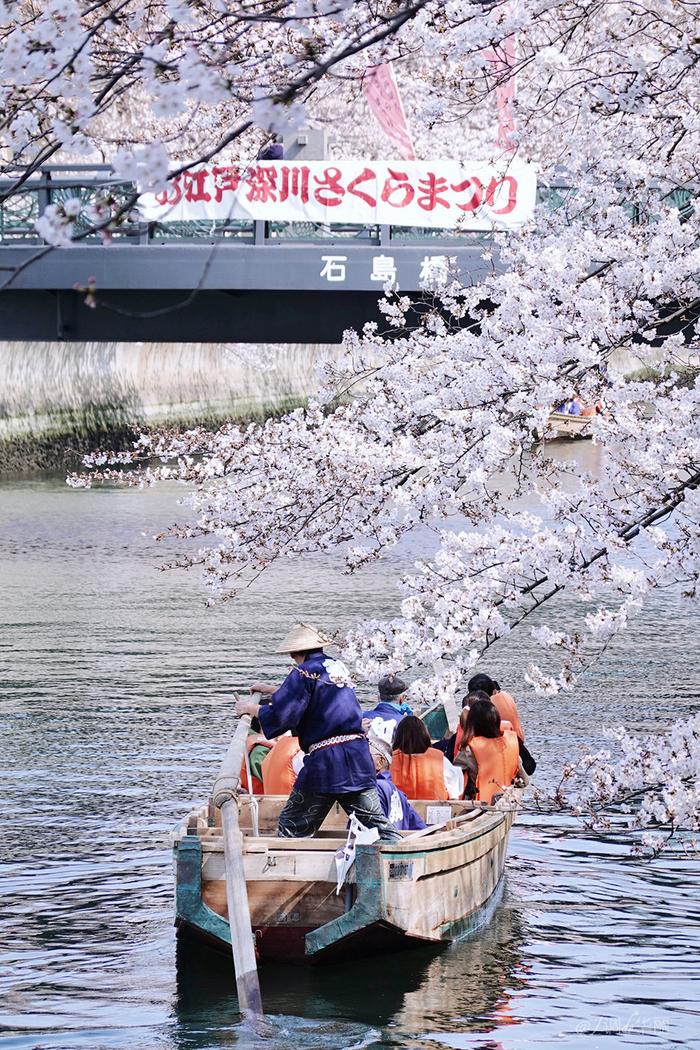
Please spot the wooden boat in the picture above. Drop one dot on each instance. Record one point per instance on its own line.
(434, 886)
(562, 426)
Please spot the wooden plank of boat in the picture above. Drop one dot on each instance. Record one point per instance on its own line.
(430, 887)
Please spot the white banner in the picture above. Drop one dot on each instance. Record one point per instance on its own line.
(440, 194)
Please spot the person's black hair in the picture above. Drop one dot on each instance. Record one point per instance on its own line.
(411, 736)
(305, 653)
(483, 720)
(471, 698)
(496, 686)
(481, 682)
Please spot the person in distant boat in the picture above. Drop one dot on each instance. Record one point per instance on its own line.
(489, 755)
(420, 770)
(573, 407)
(282, 765)
(383, 719)
(394, 803)
(317, 702)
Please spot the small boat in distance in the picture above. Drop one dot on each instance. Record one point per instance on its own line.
(563, 426)
(433, 886)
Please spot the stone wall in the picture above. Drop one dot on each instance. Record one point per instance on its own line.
(59, 399)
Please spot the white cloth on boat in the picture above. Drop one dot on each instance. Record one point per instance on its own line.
(454, 779)
(345, 857)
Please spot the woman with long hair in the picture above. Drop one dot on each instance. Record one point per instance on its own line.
(419, 770)
(488, 755)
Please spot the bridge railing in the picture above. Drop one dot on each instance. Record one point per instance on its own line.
(22, 203)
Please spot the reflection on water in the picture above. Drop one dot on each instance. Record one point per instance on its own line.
(115, 688)
(398, 993)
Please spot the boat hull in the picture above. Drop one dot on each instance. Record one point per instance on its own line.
(563, 427)
(431, 887)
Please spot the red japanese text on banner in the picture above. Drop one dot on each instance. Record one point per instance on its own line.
(441, 194)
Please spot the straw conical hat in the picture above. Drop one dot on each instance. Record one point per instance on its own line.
(301, 638)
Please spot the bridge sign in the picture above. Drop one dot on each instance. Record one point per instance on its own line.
(439, 194)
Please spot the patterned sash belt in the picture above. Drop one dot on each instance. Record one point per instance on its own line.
(333, 740)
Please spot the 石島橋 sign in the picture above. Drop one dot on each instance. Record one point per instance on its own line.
(442, 194)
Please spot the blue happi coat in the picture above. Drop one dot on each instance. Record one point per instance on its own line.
(387, 709)
(390, 714)
(315, 707)
(396, 806)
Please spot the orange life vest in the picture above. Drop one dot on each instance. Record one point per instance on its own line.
(277, 769)
(460, 734)
(497, 763)
(420, 776)
(508, 709)
(250, 743)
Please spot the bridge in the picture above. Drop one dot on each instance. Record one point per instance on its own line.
(215, 280)
(206, 280)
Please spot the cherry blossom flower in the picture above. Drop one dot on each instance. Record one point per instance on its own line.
(433, 436)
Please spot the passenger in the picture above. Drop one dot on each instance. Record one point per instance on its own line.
(383, 719)
(258, 748)
(508, 710)
(419, 770)
(394, 803)
(489, 756)
(463, 727)
(317, 702)
(450, 745)
(273, 151)
(282, 765)
(504, 701)
(505, 722)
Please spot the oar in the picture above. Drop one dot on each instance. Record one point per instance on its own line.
(242, 943)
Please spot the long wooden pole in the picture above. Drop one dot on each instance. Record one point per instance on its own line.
(242, 943)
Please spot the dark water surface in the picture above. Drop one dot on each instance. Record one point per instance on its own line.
(115, 687)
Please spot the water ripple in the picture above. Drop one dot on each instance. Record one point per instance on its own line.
(115, 707)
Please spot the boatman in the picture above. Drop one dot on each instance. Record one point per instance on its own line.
(318, 704)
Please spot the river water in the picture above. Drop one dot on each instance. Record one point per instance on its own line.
(115, 686)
